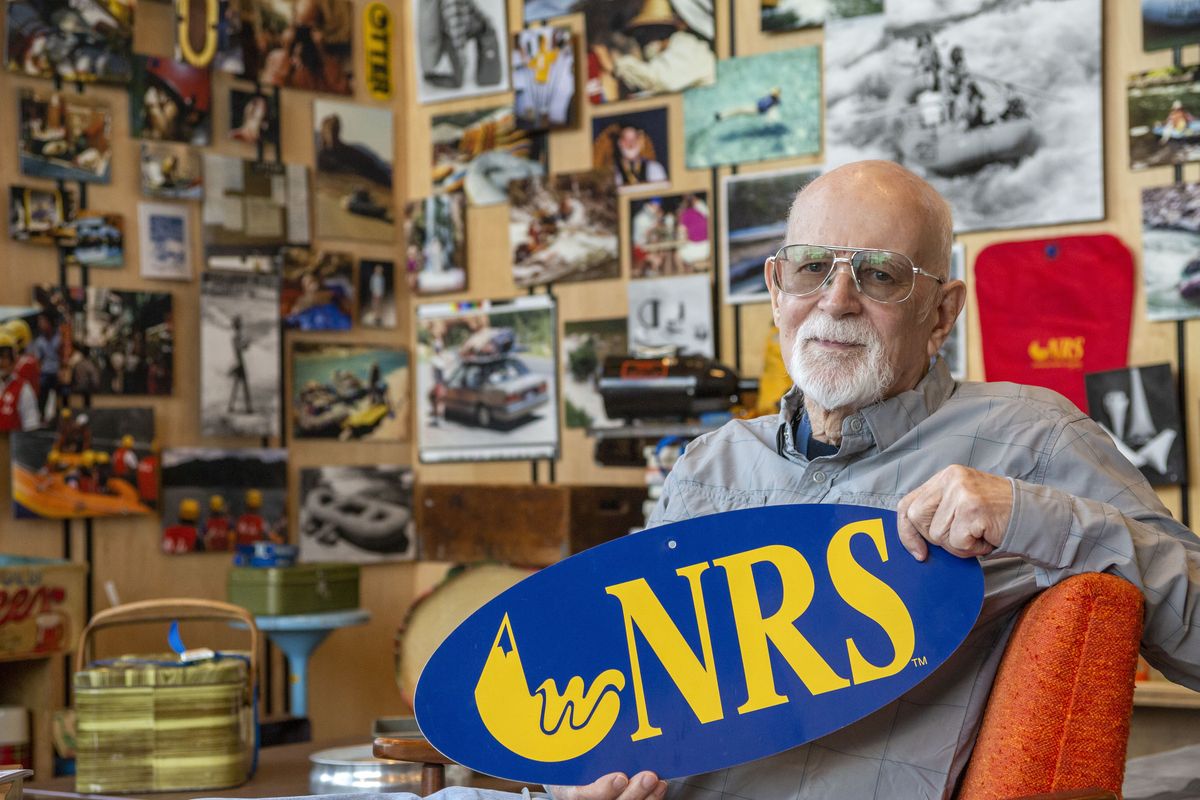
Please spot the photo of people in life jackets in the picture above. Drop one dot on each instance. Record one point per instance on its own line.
(218, 500)
(1164, 117)
(92, 462)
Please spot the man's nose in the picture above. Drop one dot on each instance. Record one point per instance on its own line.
(840, 296)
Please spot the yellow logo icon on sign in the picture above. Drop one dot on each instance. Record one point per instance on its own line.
(543, 725)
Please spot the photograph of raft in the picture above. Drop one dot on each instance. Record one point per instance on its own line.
(1171, 251)
(997, 104)
(94, 462)
(349, 392)
(357, 514)
(1164, 127)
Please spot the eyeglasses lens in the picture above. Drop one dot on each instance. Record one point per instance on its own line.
(883, 275)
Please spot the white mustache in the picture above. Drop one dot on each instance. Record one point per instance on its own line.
(846, 331)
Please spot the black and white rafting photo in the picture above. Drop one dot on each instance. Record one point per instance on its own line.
(995, 102)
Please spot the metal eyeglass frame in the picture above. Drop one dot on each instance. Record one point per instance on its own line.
(849, 262)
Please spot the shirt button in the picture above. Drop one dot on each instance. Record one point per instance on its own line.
(819, 477)
(856, 424)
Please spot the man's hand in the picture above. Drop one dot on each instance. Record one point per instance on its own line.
(963, 510)
(615, 786)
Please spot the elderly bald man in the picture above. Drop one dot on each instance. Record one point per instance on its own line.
(1016, 474)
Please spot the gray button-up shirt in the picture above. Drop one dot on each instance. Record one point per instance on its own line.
(1078, 506)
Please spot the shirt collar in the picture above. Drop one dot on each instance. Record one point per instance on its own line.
(888, 420)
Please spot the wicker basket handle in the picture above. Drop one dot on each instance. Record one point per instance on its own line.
(166, 609)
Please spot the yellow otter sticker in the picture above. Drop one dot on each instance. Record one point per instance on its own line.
(377, 50)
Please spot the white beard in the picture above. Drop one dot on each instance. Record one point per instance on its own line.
(855, 379)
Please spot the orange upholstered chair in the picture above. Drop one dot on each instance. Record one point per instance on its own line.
(1058, 715)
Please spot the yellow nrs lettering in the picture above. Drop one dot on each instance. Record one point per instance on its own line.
(754, 630)
(695, 680)
(868, 595)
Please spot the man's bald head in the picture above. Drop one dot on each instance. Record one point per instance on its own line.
(888, 206)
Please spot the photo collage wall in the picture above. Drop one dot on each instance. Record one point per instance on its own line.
(958, 91)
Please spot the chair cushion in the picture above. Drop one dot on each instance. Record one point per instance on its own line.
(1058, 714)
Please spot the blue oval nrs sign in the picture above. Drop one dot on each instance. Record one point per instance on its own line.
(696, 646)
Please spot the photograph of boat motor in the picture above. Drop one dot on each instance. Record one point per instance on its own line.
(664, 396)
(673, 387)
(1138, 407)
(357, 514)
(998, 105)
(1163, 123)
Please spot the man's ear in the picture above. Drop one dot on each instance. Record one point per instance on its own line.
(945, 313)
(769, 275)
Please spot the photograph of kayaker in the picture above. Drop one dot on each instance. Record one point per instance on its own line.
(217, 500)
(634, 148)
(672, 314)
(486, 388)
(670, 235)
(1169, 23)
(792, 15)
(563, 228)
(170, 101)
(65, 136)
(357, 515)
(377, 293)
(458, 48)
(1164, 117)
(543, 72)
(353, 180)
(239, 355)
(91, 462)
(639, 48)
(171, 171)
(38, 216)
(317, 293)
(128, 340)
(165, 241)
(253, 117)
(94, 239)
(753, 222)
(250, 211)
(349, 392)
(954, 349)
(435, 232)
(750, 115)
(76, 40)
(997, 104)
(1138, 408)
(585, 346)
(479, 152)
(1171, 251)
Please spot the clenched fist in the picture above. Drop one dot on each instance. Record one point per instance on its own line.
(960, 509)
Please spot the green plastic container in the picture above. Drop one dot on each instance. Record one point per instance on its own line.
(302, 589)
